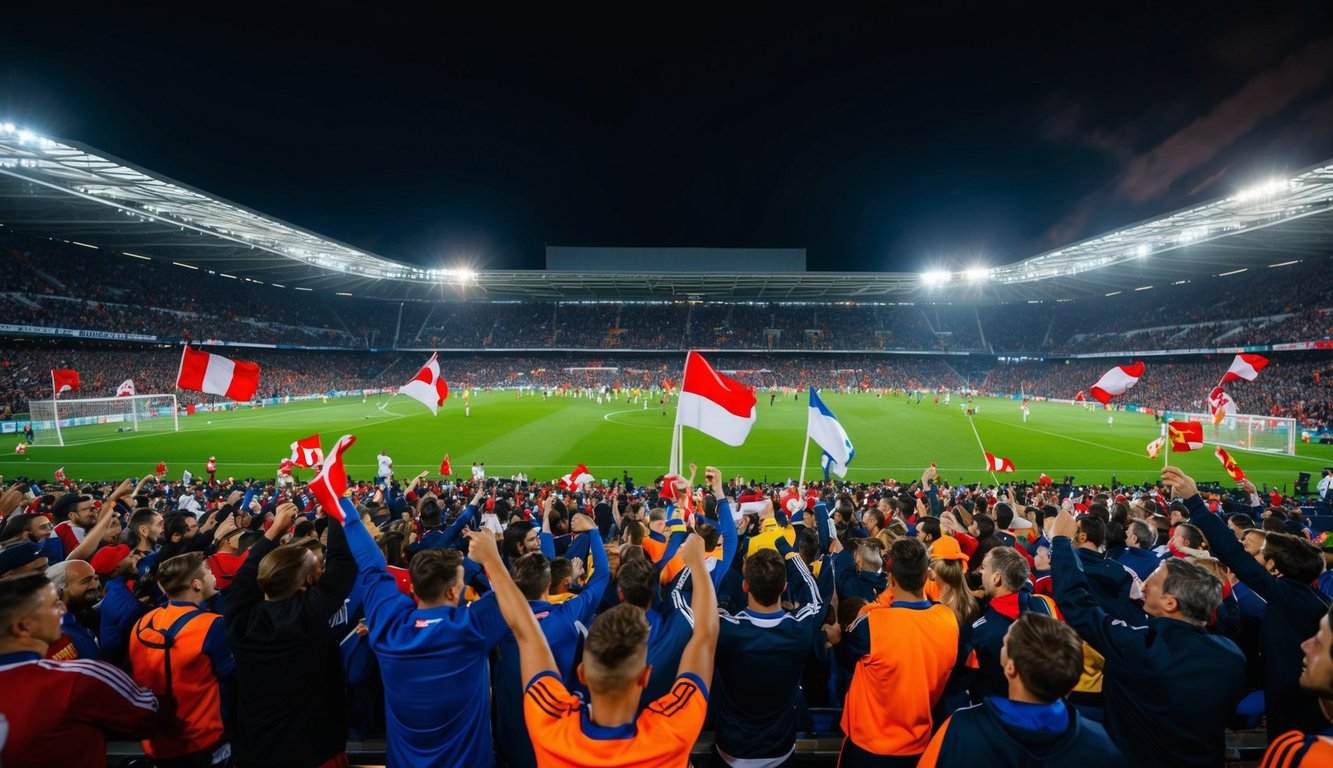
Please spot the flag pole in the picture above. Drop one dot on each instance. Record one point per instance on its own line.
(1166, 448)
(677, 443)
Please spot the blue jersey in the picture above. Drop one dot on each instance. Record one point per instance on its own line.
(564, 625)
(434, 665)
(760, 658)
(670, 627)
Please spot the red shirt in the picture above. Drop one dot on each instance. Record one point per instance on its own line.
(92, 696)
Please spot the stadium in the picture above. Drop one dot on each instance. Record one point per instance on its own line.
(1052, 501)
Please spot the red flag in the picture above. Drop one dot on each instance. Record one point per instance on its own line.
(331, 482)
(1246, 366)
(285, 466)
(428, 387)
(217, 375)
(161, 468)
(1229, 464)
(998, 463)
(1080, 397)
(445, 468)
(714, 404)
(307, 452)
(1117, 381)
(60, 476)
(1221, 404)
(1185, 435)
(64, 380)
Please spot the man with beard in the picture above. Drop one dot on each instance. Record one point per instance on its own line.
(79, 589)
(120, 608)
(76, 515)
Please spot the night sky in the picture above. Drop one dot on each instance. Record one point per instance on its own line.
(878, 140)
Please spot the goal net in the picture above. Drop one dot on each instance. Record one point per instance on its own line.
(1271, 434)
(62, 422)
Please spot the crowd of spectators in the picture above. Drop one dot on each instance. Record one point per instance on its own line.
(56, 284)
(476, 621)
(1295, 385)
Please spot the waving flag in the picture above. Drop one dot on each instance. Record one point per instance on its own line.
(64, 380)
(1185, 435)
(331, 483)
(307, 452)
(60, 477)
(1155, 447)
(1081, 397)
(1117, 381)
(217, 375)
(1220, 404)
(285, 466)
(578, 476)
(714, 404)
(445, 468)
(126, 388)
(827, 432)
(998, 463)
(1229, 464)
(428, 387)
(1246, 366)
(751, 504)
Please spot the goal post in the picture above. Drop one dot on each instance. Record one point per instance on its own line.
(63, 421)
(1252, 432)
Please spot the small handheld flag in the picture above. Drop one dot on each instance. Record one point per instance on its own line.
(1246, 366)
(446, 469)
(827, 432)
(1155, 447)
(428, 387)
(1229, 464)
(307, 452)
(716, 405)
(1185, 435)
(1117, 381)
(331, 482)
(998, 463)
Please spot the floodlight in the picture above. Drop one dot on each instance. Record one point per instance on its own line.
(977, 274)
(1143, 250)
(936, 277)
(1262, 191)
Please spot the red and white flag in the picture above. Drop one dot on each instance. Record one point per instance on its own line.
(285, 466)
(60, 477)
(998, 463)
(1229, 464)
(307, 452)
(64, 380)
(446, 469)
(428, 387)
(1184, 435)
(126, 388)
(217, 375)
(21, 448)
(1155, 447)
(1116, 381)
(716, 405)
(1081, 397)
(578, 476)
(1246, 366)
(1221, 405)
(331, 482)
(751, 504)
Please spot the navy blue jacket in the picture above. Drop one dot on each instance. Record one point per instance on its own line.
(1139, 560)
(984, 731)
(1168, 671)
(1294, 610)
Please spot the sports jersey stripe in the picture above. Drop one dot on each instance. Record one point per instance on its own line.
(112, 677)
(809, 581)
(678, 601)
(542, 696)
(681, 693)
(1280, 752)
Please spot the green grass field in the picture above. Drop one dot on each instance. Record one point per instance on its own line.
(545, 439)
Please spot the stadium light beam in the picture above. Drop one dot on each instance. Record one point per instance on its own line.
(977, 274)
(936, 277)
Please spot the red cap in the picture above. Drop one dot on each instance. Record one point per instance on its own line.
(107, 558)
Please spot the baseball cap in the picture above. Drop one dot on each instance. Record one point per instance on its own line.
(946, 548)
(19, 555)
(107, 558)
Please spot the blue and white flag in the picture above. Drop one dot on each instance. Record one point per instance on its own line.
(823, 427)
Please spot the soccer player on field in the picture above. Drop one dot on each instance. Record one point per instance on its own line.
(612, 731)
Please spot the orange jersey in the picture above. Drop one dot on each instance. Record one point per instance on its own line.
(564, 736)
(1295, 749)
(931, 592)
(904, 656)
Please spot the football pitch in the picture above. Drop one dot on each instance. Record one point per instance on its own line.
(546, 438)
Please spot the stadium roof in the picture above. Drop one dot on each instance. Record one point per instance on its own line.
(64, 190)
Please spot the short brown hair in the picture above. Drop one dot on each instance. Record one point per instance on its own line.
(284, 570)
(766, 576)
(175, 574)
(434, 571)
(1047, 654)
(532, 574)
(616, 649)
(908, 563)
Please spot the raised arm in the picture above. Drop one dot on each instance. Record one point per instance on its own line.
(697, 658)
(534, 655)
(1073, 596)
(93, 538)
(1221, 541)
